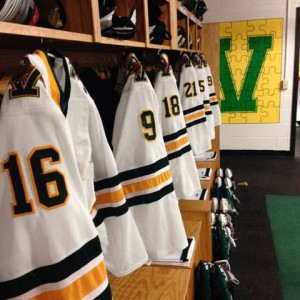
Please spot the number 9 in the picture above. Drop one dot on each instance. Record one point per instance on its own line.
(148, 122)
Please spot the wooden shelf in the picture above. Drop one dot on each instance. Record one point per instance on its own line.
(84, 26)
(38, 32)
(123, 43)
(160, 282)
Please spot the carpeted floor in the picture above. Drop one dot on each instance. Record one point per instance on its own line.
(253, 261)
(283, 212)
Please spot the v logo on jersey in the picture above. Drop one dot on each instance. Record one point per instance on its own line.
(24, 85)
(258, 45)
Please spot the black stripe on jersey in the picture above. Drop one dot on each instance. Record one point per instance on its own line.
(208, 112)
(193, 109)
(105, 295)
(214, 103)
(214, 155)
(51, 273)
(175, 135)
(145, 170)
(202, 195)
(106, 183)
(196, 122)
(152, 197)
(207, 171)
(185, 251)
(106, 212)
(180, 152)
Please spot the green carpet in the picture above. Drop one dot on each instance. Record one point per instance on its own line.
(284, 214)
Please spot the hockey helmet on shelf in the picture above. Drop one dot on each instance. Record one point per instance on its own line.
(17, 11)
(190, 4)
(201, 9)
(107, 9)
(154, 12)
(122, 27)
(52, 14)
(181, 34)
(159, 33)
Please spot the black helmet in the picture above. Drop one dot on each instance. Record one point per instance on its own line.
(190, 4)
(201, 9)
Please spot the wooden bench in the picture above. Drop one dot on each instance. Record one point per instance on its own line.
(160, 282)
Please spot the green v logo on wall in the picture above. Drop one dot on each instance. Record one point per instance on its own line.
(244, 101)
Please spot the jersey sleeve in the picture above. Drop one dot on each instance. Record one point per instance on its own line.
(214, 103)
(106, 200)
(204, 94)
(193, 110)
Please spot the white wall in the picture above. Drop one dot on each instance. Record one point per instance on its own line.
(260, 136)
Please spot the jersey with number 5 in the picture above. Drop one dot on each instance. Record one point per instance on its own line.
(204, 94)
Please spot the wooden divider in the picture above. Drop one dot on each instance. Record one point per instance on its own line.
(192, 210)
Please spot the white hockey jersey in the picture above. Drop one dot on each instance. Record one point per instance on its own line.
(213, 96)
(193, 110)
(142, 161)
(204, 94)
(182, 163)
(121, 242)
(49, 247)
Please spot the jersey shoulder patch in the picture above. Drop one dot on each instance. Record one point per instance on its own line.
(23, 84)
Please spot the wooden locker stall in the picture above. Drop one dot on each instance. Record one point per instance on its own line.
(81, 40)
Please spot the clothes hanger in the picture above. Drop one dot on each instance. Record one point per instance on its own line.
(133, 65)
(204, 61)
(196, 59)
(186, 59)
(163, 63)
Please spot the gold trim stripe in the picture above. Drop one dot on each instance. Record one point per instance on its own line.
(195, 116)
(55, 92)
(110, 197)
(177, 144)
(147, 184)
(80, 287)
(213, 99)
